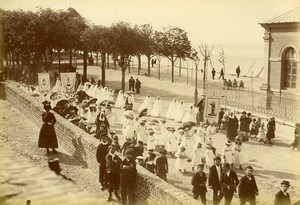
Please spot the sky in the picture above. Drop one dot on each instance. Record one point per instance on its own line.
(233, 22)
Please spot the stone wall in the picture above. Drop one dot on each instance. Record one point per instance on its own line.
(149, 188)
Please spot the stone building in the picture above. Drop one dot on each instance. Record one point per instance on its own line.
(281, 58)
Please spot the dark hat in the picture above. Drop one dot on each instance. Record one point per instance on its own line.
(150, 150)
(129, 151)
(162, 151)
(284, 182)
(140, 142)
(151, 133)
(46, 102)
(188, 125)
(112, 132)
(228, 142)
(152, 154)
(163, 120)
(217, 158)
(200, 165)
(244, 112)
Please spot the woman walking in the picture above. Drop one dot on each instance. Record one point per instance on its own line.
(47, 137)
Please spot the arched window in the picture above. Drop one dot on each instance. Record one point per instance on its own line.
(289, 68)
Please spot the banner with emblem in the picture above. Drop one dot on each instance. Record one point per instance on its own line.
(44, 82)
(68, 81)
(211, 109)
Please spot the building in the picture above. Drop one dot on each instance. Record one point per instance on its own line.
(281, 58)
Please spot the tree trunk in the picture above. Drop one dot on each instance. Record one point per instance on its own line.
(115, 64)
(172, 69)
(123, 67)
(179, 66)
(71, 57)
(107, 61)
(148, 60)
(97, 56)
(85, 62)
(139, 64)
(103, 69)
(58, 55)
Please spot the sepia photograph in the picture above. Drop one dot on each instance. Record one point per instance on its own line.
(149, 102)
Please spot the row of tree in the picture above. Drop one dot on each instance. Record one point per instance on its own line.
(29, 38)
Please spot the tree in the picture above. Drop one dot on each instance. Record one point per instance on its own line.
(222, 59)
(123, 45)
(173, 43)
(205, 51)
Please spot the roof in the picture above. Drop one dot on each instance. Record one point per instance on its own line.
(288, 17)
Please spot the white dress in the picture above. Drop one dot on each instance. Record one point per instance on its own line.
(181, 161)
(188, 143)
(197, 156)
(151, 142)
(157, 108)
(146, 104)
(189, 116)
(91, 117)
(227, 154)
(209, 157)
(105, 94)
(120, 99)
(261, 134)
(128, 130)
(172, 107)
(98, 93)
(237, 156)
(89, 92)
(94, 91)
(179, 114)
(141, 134)
(110, 96)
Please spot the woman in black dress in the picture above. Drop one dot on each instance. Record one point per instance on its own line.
(270, 130)
(232, 126)
(47, 137)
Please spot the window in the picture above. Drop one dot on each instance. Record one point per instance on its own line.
(289, 68)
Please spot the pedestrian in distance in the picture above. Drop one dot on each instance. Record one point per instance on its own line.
(113, 162)
(138, 86)
(199, 184)
(213, 73)
(47, 135)
(128, 176)
(214, 178)
(296, 143)
(238, 71)
(283, 197)
(131, 84)
(222, 74)
(229, 182)
(247, 188)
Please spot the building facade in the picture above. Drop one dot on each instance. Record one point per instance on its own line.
(281, 58)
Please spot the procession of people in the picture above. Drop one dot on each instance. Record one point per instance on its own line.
(146, 129)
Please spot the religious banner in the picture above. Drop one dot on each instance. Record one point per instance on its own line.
(68, 83)
(44, 82)
(211, 109)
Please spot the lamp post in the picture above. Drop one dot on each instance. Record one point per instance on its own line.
(196, 61)
(159, 59)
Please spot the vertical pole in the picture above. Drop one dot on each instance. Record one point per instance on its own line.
(196, 89)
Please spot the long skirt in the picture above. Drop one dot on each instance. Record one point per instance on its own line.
(47, 137)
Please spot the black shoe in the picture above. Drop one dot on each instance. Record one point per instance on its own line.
(108, 199)
(118, 197)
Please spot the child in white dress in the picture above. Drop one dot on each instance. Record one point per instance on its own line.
(262, 133)
(120, 99)
(181, 161)
(197, 156)
(237, 154)
(209, 156)
(151, 141)
(227, 153)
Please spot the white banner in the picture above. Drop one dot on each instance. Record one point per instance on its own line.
(211, 109)
(68, 82)
(44, 82)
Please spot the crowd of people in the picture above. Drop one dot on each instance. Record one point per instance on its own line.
(192, 146)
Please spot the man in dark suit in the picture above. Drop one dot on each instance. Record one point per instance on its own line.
(131, 84)
(215, 172)
(282, 197)
(248, 188)
(101, 153)
(229, 182)
(113, 163)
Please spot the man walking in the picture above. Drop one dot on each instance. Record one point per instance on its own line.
(113, 163)
(248, 188)
(138, 86)
(229, 182)
(131, 83)
(238, 71)
(215, 172)
(222, 74)
(101, 153)
(213, 73)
